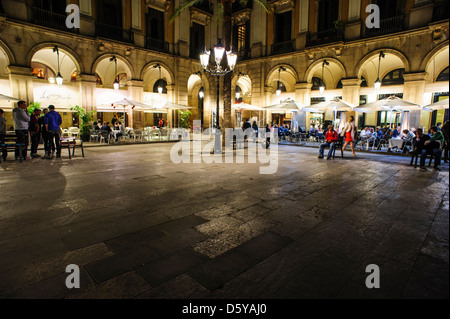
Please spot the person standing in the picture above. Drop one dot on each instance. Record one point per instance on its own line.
(53, 123)
(35, 132)
(21, 120)
(45, 136)
(331, 137)
(349, 134)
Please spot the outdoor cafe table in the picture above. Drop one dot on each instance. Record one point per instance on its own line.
(396, 142)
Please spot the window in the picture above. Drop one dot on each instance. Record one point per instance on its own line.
(316, 83)
(197, 40)
(155, 24)
(56, 6)
(73, 78)
(443, 76)
(99, 80)
(390, 8)
(41, 71)
(339, 85)
(363, 82)
(394, 77)
(241, 39)
(110, 12)
(283, 23)
(328, 14)
(160, 83)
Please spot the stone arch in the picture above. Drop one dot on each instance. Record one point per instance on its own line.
(332, 73)
(368, 65)
(65, 50)
(105, 69)
(149, 75)
(436, 61)
(289, 77)
(7, 52)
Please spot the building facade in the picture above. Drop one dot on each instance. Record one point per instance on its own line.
(284, 49)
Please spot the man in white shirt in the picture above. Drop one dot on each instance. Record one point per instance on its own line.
(21, 121)
(408, 138)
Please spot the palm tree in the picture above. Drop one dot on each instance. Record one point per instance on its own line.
(224, 11)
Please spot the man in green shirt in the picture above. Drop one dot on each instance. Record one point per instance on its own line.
(433, 147)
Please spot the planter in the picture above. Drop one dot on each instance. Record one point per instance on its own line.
(85, 137)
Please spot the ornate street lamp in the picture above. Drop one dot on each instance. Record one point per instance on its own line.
(116, 83)
(218, 72)
(322, 86)
(59, 78)
(377, 83)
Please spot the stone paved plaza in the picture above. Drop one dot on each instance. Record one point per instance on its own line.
(139, 226)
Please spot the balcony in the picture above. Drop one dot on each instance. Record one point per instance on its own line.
(282, 47)
(50, 19)
(440, 11)
(112, 32)
(387, 26)
(157, 45)
(325, 36)
(205, 6)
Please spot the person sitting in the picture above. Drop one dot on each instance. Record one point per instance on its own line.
(407, 139)
(396, 133)
(331, 137)
(105, 127)
(432, 146)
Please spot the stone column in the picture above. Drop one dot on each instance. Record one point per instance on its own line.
(413, 90)
(268, 91)
(136, 93)
(88, 84)
(170, 97)
(350, 94)
(303, 98)
(21, 83)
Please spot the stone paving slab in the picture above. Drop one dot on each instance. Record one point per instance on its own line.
(139, 226)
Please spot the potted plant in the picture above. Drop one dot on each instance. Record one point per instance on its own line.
(185, 116)
(33, 106)
(86, 118)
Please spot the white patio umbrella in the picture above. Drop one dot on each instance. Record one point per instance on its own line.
(127, 102)
(288, 106)
(174, 106)
(441, 105)
(8, 98)
(335, 105)
(391, 103)
(247, 107)
(405, 124)
(342, 122)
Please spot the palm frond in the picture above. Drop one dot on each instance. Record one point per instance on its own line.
(266, 5)
(219, 12)
(183, 6)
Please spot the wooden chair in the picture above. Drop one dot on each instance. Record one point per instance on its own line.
(72, 143)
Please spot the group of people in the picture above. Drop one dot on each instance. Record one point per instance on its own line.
(423, 145)
(117, 128)
(32, 127)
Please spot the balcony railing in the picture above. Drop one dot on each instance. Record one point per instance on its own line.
(205, 6)
(325, 36)
(440, 10)
(387, 26)
(112, 32)
(282, 47)
(157, 45)
(50, 19)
